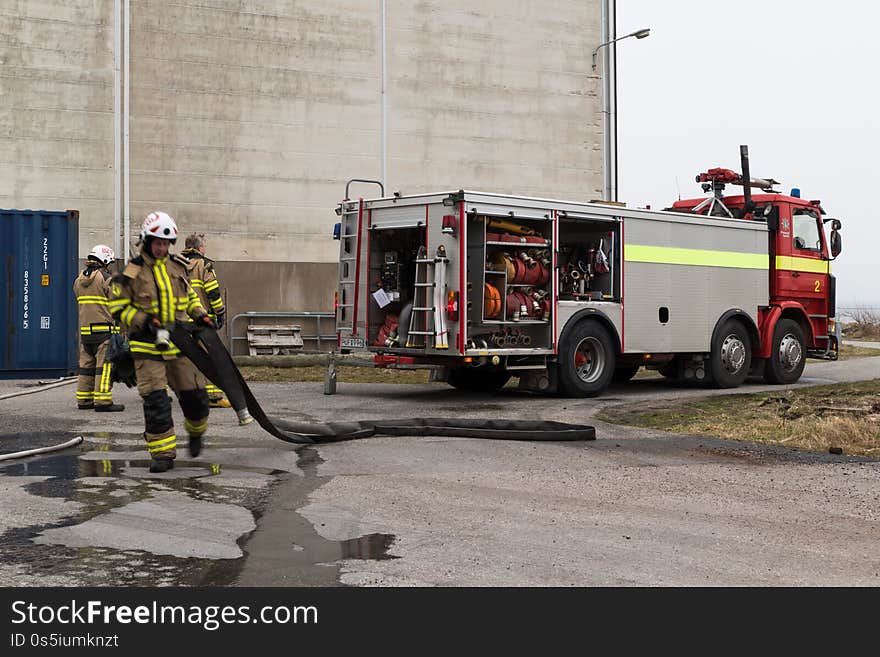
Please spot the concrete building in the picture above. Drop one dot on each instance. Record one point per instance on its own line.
(245, 118)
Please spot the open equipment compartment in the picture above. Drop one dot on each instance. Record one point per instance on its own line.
(589, 258)
(391, 266)
(510, 261)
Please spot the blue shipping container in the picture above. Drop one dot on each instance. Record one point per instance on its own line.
(38, 314)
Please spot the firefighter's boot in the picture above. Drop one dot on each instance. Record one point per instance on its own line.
(196, 429)
(161, 465)
(195, 446)
(110, 408)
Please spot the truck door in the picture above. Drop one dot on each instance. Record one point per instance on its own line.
(802, 268)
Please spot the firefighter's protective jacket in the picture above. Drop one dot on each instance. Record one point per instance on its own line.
(92, 290)
(204, 281)
(150, 287)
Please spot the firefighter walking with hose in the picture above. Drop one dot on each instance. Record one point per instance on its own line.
(151, 295)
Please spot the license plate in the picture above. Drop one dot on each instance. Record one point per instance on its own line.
(351, 343)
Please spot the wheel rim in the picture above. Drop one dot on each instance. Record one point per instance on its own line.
(589, 360)
(733, 354)
(790, 352)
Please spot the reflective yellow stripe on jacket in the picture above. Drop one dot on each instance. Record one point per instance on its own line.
(88, 299)
(149, 348)
(98, 328)
(166, 292)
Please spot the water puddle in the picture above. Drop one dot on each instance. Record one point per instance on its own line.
(371, 546)
(113, 496)
(287, 550)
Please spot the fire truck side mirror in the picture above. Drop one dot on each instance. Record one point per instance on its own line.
(836, 243)
(771, 215)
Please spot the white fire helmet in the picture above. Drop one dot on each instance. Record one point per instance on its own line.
(160, 225)
(103, 254)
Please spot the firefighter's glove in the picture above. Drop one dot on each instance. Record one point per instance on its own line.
(152, 326)
(206, 321)
(220, 319)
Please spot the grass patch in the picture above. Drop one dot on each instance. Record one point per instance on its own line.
(848, 351)
(845, 416)
(344, 374)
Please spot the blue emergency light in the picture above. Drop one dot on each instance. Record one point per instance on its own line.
(796, 192)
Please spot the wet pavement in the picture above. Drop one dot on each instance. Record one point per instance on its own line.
(634, 507)
(94, 515)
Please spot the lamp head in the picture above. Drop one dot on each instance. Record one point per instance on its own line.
(641, 34)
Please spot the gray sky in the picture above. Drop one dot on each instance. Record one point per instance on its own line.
(796, 80)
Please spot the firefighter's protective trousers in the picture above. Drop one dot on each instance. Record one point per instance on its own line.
(184, 379)
(96, 324)
(93, 383)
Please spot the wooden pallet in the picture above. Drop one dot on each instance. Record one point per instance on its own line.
(274, 339)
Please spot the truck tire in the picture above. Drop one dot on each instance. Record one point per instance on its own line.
(731, 356)
(586, 360)
(476, 380)
(624, 372)
(786, 362)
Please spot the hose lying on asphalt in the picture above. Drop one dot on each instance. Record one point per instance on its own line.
(40, 388)
(204, 348)
(41, 450)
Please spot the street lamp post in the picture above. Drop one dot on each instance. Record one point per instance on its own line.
(638, 34)
(609, 124)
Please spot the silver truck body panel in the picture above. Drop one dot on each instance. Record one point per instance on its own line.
(695, 267)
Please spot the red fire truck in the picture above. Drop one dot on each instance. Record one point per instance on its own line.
(570, 296)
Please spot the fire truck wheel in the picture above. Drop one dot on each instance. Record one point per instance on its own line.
(731, 356)
(469, 378)
(624, 372)
(586, 360)
(786, 362)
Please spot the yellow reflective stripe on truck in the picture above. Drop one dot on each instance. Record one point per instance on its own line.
(793, 263)
(670, 255)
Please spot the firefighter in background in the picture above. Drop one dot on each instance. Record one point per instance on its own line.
(203, 278)
(96, 325)
(152, 293)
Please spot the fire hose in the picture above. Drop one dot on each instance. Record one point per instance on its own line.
(204, 348)
(42, 386)
(41, 450)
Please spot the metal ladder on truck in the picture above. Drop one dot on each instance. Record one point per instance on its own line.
(350, 214)
(349, 228)
(423, 301)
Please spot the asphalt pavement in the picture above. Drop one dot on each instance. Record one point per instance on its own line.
(634, 507)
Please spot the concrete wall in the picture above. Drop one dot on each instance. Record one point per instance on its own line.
(495, 96)
(56, 110)
(248, 117)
